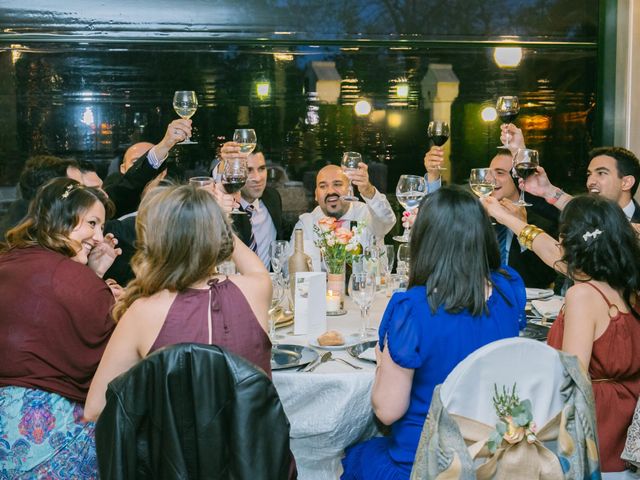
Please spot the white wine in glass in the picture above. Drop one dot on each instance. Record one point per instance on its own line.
(246, 138)
(185, 103)
(482, 182)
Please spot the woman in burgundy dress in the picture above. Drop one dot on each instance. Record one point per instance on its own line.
(177, 297)
(600, 323)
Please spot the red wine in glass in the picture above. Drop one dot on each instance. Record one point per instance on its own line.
(233, 184)
(439, 140)
(525, 170)
(508, 117)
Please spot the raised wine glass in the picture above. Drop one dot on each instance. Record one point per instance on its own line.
(185, 103)
(438, 133)
(247, 139)
(362, 289)
(350, 162)
(507, 108)
(482, 182)
(409, 191)
(525, 162)
(234, 176)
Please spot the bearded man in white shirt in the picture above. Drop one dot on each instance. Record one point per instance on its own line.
(332, 183)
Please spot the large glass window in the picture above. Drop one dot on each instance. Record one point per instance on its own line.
(294, 70)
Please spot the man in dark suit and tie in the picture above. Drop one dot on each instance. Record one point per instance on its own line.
(263, 222)
(533, 270)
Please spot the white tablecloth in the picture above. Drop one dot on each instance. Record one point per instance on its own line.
(330, 408)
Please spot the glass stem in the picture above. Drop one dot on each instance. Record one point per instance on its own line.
(363, 322)
(272, 326)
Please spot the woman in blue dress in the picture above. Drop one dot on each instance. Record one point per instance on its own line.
(459, 299)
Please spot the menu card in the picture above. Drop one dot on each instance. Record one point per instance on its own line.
(310, 303)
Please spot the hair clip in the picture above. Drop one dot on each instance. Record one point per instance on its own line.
(593, 234)
(67, 190)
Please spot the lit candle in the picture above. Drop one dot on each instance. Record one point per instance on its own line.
(333, 301)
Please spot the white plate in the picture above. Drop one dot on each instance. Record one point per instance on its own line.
(538, 293)
(349, 341)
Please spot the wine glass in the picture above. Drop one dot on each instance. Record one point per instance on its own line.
(247, 139)
(278, 251)
(409, 191)
(404, 256)
(234, 176)
(350, 161)
(438, 132)
(482, 182)
(507, 108)
(277, 294)
(525, 163)
(362, 288)
(185, 103)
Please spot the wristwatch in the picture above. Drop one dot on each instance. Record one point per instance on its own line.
(556, 196)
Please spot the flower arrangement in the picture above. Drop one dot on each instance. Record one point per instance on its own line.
(515, 419)
(336, 243)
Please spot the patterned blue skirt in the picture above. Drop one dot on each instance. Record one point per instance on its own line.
(42, 436)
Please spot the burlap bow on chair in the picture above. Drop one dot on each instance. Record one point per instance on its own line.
(451, 445)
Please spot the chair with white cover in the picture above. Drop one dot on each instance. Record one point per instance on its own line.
(462, 418)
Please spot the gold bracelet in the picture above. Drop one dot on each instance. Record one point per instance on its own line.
(535, 231)
(524, 233)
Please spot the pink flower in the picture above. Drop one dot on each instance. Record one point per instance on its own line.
(343, 235)
(327, 223)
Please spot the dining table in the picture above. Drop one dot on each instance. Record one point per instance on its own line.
(329, 408)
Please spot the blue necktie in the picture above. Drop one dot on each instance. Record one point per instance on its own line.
(252, 240)
(501, 234)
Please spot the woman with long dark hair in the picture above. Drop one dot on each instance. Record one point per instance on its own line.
(459, 299)
(55, 321)
(600, 323)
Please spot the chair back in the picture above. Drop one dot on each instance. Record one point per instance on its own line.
(462, 438)
(193, 411)
(533, 366)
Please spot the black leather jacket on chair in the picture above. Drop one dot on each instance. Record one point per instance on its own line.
(193, 411)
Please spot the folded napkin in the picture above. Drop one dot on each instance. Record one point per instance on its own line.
(368, 354)
(550, 307)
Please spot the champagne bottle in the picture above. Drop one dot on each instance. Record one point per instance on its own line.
(299, 261)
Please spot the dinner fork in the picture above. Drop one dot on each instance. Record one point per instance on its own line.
(326, 356)
(347, 363)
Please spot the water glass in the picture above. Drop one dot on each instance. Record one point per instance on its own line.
(362, 289)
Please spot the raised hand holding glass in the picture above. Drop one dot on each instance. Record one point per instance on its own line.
(525, 163)
(234, 176)
(438, 132)
(507, 108)
(185, 103)
(350, 162)
(409, 191)
(247, 139)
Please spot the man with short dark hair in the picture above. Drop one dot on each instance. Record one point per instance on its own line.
(613, 172)
(263, 222)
